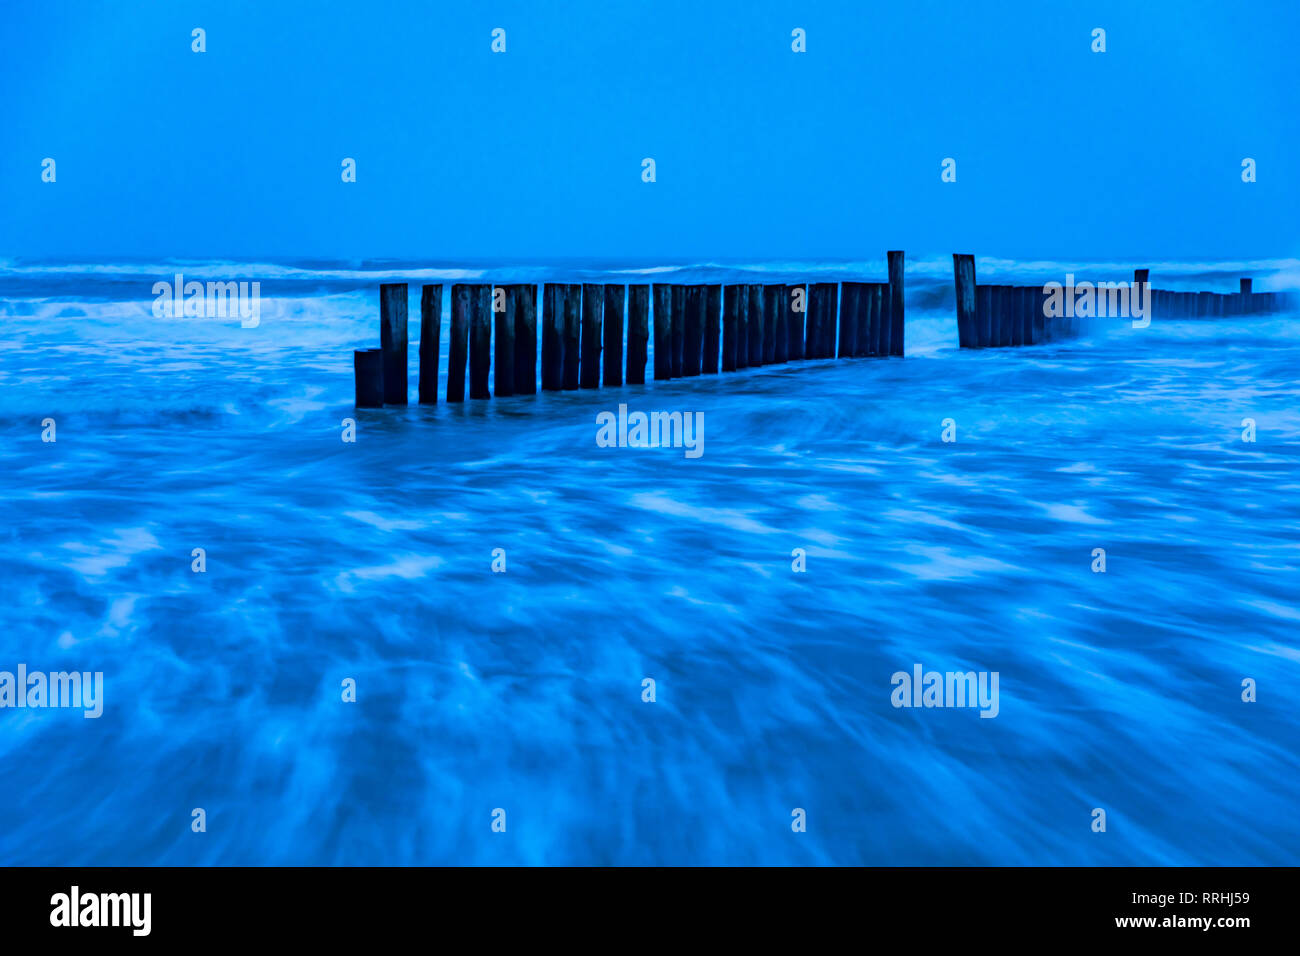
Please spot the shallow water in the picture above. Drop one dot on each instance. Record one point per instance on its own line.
(522, 690)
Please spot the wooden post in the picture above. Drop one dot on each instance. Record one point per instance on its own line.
(771, 306)
(693, 333)
(742, 326)
(983, 316)
(593, 302)
(368, 373)
(754, 324)
(1026, 310)
(552, 337)
(679, 329)
(503, 356)
(613, 322)
(638, 332)
(796, 297)
(430, 342)
(895, 302)
(480, 341)
(462, 297)
(1038, 320)
(392, 339)
(1006, 316)
(522, 301)
(1243, 296)
(663, 324)
(963, 273)
(849, 296)
(1014, 316)
(821, 320)
(572, 298)
(776, 306)
(712, 329)
(731, 310)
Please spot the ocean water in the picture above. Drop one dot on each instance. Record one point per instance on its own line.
(522, 691)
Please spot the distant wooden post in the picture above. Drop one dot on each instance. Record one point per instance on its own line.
(821, 320)
(1006, 315)
(963, 272)
(776, 305)
(712, 329)
(984, 316)
(771, 306)
(1027, 315)
(430, 342)
(1243, 296)
(503, 315)
(593, 303)
(796, 297)
(733, 304)
(638, 332)
(754, 324)
(693, 329)
(613, 322)
(552, 337)
(1244, 285)
(392, 339)
(368, 373)
(896, 302)
(876, 307)
(522, 301)
(480, 342)
(742, 326)
(662, 331)
(462, 298)
(849, 295)
(572, 298)
(679, 329)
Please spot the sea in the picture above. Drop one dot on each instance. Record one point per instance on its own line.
(473, 634)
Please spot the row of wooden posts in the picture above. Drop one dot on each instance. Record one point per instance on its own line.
(697, 330)
(997, 316)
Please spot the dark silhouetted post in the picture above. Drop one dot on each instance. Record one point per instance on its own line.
(983, 316)
(503, 381)
(733, 305)
(392, 339)
(462, 303)
(895, 302)
(849, 296)
(963, 272)
(480, 342)
(368, 372)
(663, 324)
(821, 320)
(552, 337)
(754, 324)
(771, 305)
(593, 302)
(777, 306)
(796, 297)
(712, 329)
(1006, 316)
(613, 322)
(430, 342)
(638, 332)
(693, 332)
(679, 329)
(572, 297)
(522, 301)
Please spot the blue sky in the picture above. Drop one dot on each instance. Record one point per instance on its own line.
(465, 154)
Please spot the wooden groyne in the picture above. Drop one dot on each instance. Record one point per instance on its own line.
(1001, 316)
(600, 335)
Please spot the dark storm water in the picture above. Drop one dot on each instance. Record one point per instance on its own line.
(522, 690)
